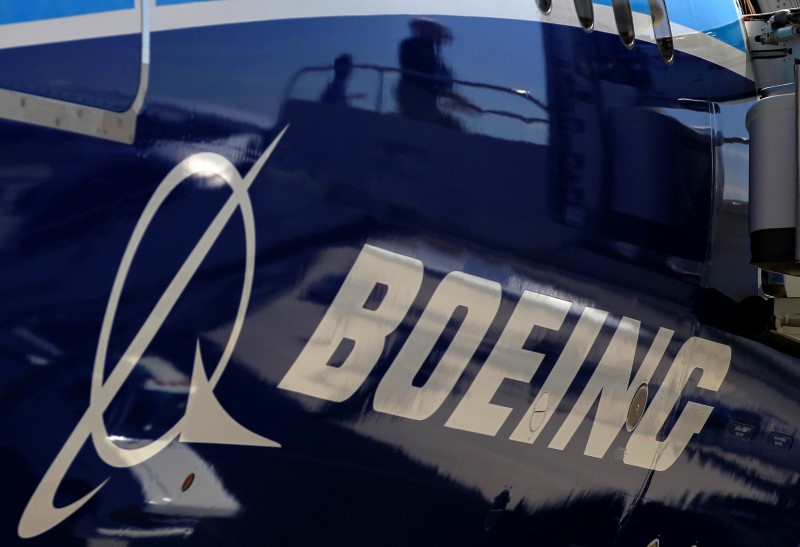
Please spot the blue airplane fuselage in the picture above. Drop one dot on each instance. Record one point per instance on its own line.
(359, 275)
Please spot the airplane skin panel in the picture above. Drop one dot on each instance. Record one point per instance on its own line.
(393, 280)
(707, 18)
(100, 73)
(716, 37)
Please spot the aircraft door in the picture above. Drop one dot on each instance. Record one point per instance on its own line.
(53, 75)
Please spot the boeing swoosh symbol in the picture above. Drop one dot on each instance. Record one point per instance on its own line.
(205, 421)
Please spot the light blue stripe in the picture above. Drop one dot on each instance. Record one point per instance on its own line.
(170, 2)
(730, 34)
(21, 11)
(717, 18)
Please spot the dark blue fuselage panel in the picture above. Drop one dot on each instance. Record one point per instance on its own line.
(515, 220)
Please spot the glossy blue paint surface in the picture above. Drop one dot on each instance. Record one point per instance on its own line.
(610, 184)
(102, 73)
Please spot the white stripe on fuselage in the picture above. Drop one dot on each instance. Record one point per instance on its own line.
(206, 14)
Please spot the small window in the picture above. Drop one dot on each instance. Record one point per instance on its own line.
(662, 30)
(585, 10)
(545, 5)
(624, 19)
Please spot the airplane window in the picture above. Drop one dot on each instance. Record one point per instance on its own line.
(624, 19)
(545, 5)
(585, 10)
(661, 29)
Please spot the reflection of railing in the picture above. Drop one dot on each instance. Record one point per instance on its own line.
(383, 70)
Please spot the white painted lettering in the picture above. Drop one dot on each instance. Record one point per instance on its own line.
(566, 368)
(347, 318)
(644, 449)
(610, 383)
(396, 394)
(507, 360)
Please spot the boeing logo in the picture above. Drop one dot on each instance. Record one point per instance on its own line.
(374, 299)
(355, 316)
(204, 421)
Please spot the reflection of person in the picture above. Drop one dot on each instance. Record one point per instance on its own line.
(336, 92)
(425, 78)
